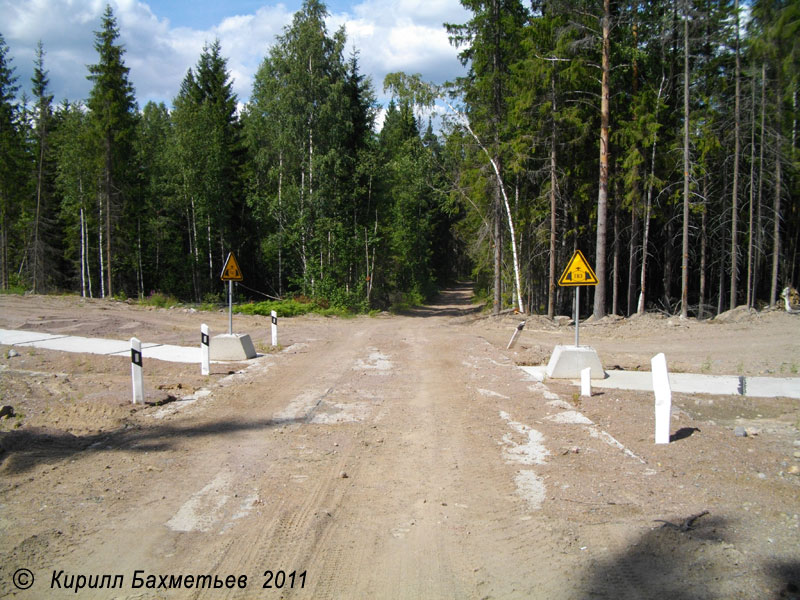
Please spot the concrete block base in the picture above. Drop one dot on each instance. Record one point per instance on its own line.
(567, 362)
(236, 346)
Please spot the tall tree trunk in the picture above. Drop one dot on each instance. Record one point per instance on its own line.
(83, 254)
(303, 255)
(685, 243)
(636, 191)
(3, 252)
(501, 187)
(703, 246)
(140, 271)
(615, 263)
(736, 149)
(669, 257)
(497, 220)
(87, 269)
(759, 253)
(311, 179)
(721, 292)
(109, 186)
(776, 207)
(100, 228)
(551, 287)
(191, 216)
(750, 299)
(210, 248)
(37, 249)
(280, 225)
(495, 121)
(602, 194)
(649, 204)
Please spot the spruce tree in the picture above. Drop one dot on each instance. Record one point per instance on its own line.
(11, 159)
(208, 159)
(113, 116)
(41, 250)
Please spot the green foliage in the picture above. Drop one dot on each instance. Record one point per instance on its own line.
(109, 200)
(289, 308)
(205, 161)
(14, 289)
(112, 116)
(13, 167)
(159, 300)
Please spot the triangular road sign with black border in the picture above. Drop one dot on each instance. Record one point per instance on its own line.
(578, 272)
(231, 270)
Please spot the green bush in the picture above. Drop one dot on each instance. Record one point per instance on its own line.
(291, 308)
(16, 285)
(284, 308)
(14, 289)
(160, 300)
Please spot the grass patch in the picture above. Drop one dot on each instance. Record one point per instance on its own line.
(14, 290)
(160, 300)
(291, 308)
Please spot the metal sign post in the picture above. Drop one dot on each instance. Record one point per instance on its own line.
(577, 313)
(577, 274)
(230, 273)
(230, 307)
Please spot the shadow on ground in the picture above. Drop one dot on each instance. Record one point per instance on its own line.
(22, 450)
(679, 563)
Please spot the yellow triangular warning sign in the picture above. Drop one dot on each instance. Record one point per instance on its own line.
(578, 272)
(231, 270)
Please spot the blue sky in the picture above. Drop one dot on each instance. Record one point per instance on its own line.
(164, 38)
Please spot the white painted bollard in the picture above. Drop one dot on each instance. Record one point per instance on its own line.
(136, 371)
(205, 349)
(274, 316)
(663, 397)
(586, 382)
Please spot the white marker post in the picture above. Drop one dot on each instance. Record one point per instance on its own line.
(663, 397)
(205, 350)
(516, 333)
(274, 317)
(136, 371)
(586, 382)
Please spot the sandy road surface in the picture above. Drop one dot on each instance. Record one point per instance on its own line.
(388, 457)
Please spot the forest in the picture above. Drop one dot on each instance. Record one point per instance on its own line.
(659, 138)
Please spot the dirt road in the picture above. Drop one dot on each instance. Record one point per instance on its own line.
(386, 457)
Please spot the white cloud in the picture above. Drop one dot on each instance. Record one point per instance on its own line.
(405, 35)
(390, 35)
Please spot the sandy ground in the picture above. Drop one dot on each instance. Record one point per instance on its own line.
(394, 457)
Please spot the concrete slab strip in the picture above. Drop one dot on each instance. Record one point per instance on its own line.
(11, 337)
(106, 347)
(692, 383)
